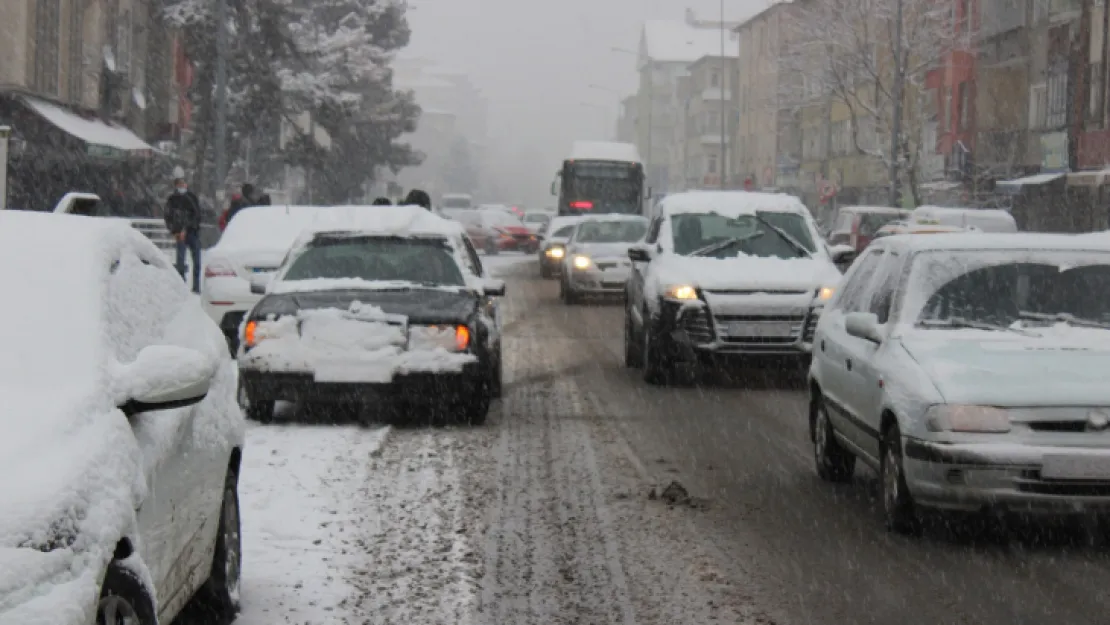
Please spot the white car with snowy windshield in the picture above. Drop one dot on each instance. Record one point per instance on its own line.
(392, 304)
(596, 262)
(970, 372)
(252, 246)
(725, 276)
(120, 438)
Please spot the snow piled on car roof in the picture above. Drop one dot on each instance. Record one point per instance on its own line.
(731, 203)
(403, 221)
(267, 227)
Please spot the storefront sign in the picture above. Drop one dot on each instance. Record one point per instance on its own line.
(1054, 152)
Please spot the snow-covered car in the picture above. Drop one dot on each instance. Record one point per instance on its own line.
(536, 221)
(553, 244)
(253, 244)
(596, 262)
(902, 227)
(395, 305)
(120, 437)
(725, 275)
(970, 372)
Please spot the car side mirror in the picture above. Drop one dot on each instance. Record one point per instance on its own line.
(554, 189)
(842, 254)
(494, 287)
(163, 377)
(639, 254)
(260, 281)
(863, 326)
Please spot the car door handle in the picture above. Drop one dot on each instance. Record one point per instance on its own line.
(849, 364)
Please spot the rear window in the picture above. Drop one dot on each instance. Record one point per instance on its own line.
(871, 222)
(378, 259)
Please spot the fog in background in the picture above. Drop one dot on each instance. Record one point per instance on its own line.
(535, 61)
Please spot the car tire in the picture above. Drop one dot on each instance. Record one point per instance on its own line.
(545, 271)
(832, 461)
(898, 508)
(491, 248)
(633, 356)
(123, 593)
(260, 410)
(475, 409)
(497, 382)
(219, 597)
(658, 361)
(567, 294)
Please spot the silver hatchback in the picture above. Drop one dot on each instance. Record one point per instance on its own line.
(596, 260)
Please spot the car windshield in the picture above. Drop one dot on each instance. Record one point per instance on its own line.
(425, 261)
(536, 218)
(616, 231)
(718, 236)
(1010, 290)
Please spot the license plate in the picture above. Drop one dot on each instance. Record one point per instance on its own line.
(747, 328)
(1078, 467)
(354, 372)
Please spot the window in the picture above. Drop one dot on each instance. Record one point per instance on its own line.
(472, 257)
(1056, 113)
(882, 299)
(611, 231)
(962, 114)
(1037, 106)
(715, 236)
(858, 280)
(1097, 92)
(711, 164)
(714, 79)
(393, 259)
(47, 41)
(653, 231)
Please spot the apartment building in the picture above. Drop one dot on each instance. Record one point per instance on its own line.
(89, 87)
(708, 119)
(667, 49)
(759, 96)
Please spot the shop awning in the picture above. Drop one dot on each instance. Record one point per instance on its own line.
(94, 132)
(1093, 178)
(1017, 184)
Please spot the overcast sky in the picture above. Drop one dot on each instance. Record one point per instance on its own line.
(535, 60)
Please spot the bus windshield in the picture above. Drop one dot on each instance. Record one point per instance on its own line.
(595, 187)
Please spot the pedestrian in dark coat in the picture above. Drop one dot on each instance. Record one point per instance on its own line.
(239, 202)
(416, 197)
(183, 216)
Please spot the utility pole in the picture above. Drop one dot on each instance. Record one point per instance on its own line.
(1079, 64)
(896, 121)
(723, 82)
(221, 102)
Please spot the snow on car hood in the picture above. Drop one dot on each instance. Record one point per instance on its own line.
(1062, 366)
(71, 488)
(745, 272)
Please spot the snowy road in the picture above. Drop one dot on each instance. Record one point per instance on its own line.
(543, 515)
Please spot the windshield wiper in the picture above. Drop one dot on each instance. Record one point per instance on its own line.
(1064, 317)
(720, 245)
(963, 322)
(784, 236)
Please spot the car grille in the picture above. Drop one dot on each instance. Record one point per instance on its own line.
(1031, 482)
(696, 325)
(793, 322)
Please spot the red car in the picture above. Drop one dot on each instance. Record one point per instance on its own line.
(494, 231)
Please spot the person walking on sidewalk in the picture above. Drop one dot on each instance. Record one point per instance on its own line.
(183, 221)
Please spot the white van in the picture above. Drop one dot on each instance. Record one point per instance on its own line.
(984, 219)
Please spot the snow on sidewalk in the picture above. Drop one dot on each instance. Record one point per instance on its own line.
(301, 514)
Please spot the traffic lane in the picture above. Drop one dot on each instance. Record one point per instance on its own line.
(819, 550)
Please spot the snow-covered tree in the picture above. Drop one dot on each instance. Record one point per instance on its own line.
(327, 58)
(845, 50)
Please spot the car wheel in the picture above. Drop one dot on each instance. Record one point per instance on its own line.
(220, 594)
(497, 384)
(633, 357)
(658, 362)
(475, 409)
(124, 599)
(545, 271)
(260, 410)
(833, 462)
(898, 507)
(566, 293)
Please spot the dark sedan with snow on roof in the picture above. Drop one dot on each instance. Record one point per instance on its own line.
(371, 313)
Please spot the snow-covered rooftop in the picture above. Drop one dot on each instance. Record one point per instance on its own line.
(679, 42)
(91, 131)
(604, 151)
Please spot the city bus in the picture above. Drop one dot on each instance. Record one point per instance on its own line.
(600, 177)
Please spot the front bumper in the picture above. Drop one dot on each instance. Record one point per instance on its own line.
(1024, 479)
(702, 334)
(518, 243)
(417, 386)
(598, 282)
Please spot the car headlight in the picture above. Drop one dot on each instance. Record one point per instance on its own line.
(681, 292)
(556, 252)
(825, 293)
(453, 338)
(582, 262)
(965, 418)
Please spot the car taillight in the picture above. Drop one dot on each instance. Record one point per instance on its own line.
(218, 269)
(249, 333)
(462, 338)
(581, 204)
